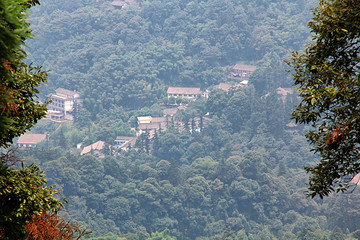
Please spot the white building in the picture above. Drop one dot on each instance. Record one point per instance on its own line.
(62, 103)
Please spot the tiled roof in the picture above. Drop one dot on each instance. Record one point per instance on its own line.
(244, 67)
(158, 119)
(65, 92)
(124, 138)
(129, 143)
(170, 111)
(180, 90)
(99, 145)
(29, 138)
(61, 97)
(223, 86)
(151, 126)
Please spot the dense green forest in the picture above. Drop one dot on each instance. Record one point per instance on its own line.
(127, 57)
(240, 177)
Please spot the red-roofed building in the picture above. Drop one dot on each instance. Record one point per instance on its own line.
(120, 140)
(125, 143)
(241, 72)
(223, 86)
(29, 140)
(95, 149)
(170, 111)
(190, 93)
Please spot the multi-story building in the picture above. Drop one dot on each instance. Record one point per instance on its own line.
(62, 104)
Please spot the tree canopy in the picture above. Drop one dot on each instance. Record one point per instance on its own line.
(227, 167)
(19, 108)
(22, 194)
(327, 74)
(26, 204)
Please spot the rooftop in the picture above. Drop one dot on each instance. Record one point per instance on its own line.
(223, 86)
(29, 138)
(170, 111)
(65, 92)
(181, 90)
(152, 126)
(99, 145)
(158, 119)
(244, 67)
(126, 138)
(129, 143)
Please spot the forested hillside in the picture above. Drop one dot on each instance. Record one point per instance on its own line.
(127, 57)
(240, 176)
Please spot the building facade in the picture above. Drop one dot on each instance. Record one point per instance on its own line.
(190, 93)
(62, 104)
(29, 140)
(241, 72)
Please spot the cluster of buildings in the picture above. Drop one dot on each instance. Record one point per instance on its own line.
(239, 74)
(145, 124)
(64, 102)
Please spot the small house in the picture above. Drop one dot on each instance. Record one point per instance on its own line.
(241, 72)
(190, 93)
(95, 149)
(125, 143)
(170, 111)
(120, 140)
(29, 140)
(223, 86)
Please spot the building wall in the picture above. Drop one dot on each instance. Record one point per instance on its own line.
(57, 104)
(183, 95)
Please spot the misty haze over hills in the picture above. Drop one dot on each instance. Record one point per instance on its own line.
(181, 125)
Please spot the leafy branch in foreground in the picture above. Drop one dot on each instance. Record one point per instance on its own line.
(19, 108)
(48, 225)
(327, 76)
(29, 209)
(22, 195)
(24, 198)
